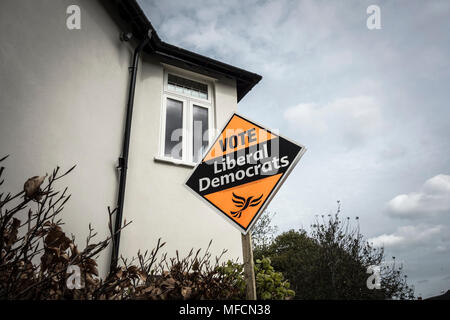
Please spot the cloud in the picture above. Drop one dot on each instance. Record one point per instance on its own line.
(351, 120)
(433, 198)
(393, 151)
(321, 52)
(408, 236)
(386, 240)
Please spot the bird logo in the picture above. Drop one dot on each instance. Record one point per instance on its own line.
(242, 203)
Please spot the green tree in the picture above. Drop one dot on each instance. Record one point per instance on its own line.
(332, 261)
(270, 284)
(263, 233)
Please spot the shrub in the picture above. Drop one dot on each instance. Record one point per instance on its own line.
(35, 256)
(331, 262)
(234, 272)
(269, 283)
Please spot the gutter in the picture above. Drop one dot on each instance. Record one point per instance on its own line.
(134, 15)
(123, 160)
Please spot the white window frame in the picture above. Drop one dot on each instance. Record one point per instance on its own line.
(189, 77)
(188, 107)
(163, 126)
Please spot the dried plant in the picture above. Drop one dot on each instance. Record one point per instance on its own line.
(36, 254)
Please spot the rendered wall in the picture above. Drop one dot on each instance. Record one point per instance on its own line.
(62, 102)
(156, 200)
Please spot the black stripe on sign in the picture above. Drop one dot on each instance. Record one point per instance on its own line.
(280, 151)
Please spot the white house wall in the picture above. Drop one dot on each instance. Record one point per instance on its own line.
(62, 102)
(156, 200)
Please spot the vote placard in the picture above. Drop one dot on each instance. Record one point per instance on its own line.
(243, 169)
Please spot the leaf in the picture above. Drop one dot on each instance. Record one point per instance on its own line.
(90, 247)
(32, 186)
(186, 292)
(169, 282)
(132, 269)
(142, 275)
(4, 158)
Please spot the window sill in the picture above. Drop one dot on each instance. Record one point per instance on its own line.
(175, 162)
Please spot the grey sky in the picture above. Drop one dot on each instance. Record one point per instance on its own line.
(371, 106)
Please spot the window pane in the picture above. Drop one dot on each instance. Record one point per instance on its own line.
(200, 125)
(174, 129)
(187, 87)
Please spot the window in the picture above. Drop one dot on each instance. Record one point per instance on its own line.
(174, 121)
(187, 119)
(200, 127)
(188, 87)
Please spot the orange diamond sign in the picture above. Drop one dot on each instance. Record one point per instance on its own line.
(243, 169)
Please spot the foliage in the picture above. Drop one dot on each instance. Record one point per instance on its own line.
(35, 255)
(269, 283)
(331, 262)
(28, 236)
(192, 277)
(292, 253)
(235, 273)
(263, 232)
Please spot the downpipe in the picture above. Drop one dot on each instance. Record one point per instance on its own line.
(123, 160)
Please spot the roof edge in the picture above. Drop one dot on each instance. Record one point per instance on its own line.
(132, 12)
